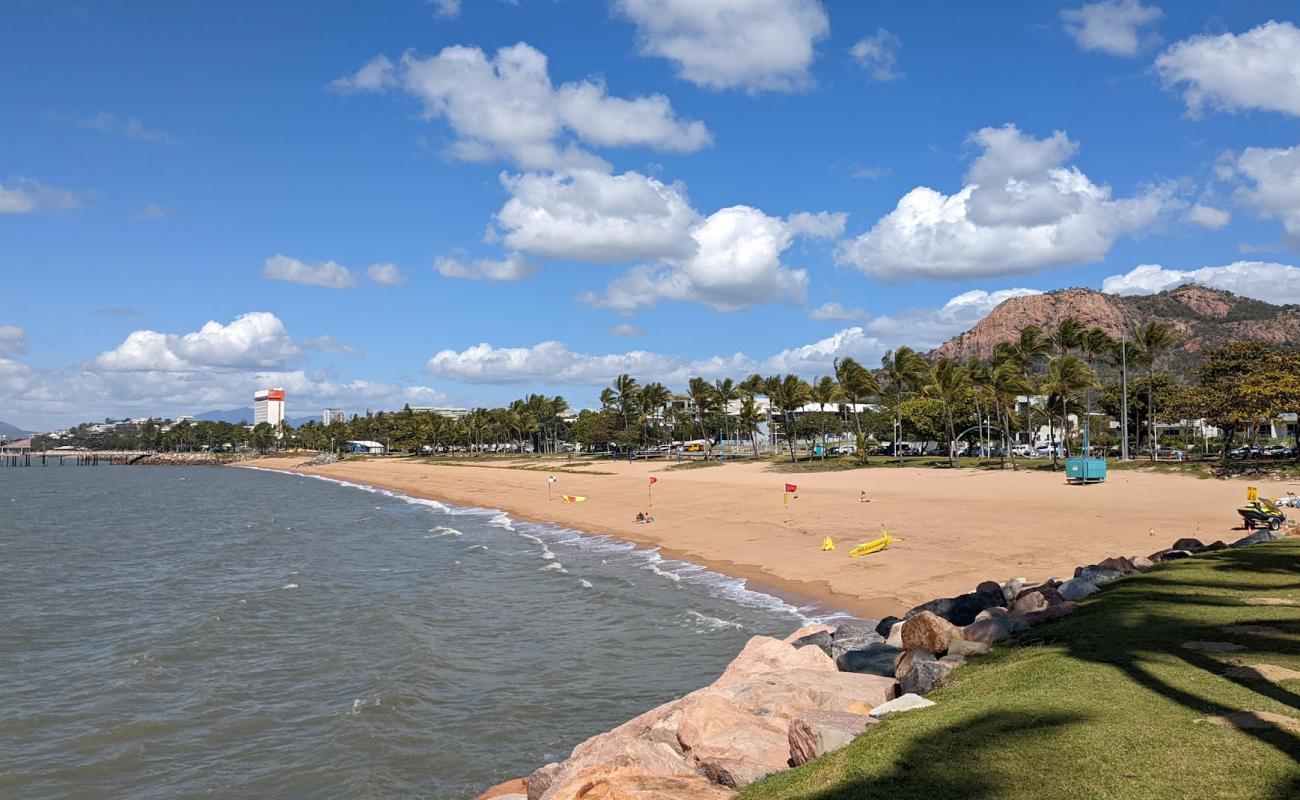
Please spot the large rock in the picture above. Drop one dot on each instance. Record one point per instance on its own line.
(883, 627)
(928, 632)
(813, 734)
(852, 637)
(895, 637)
(1142, 564)
(788, 693)
(1012, 588)
(808, 630)
(730, 745)
(964, 647)
(924, 676)
(1078, 588)
(1187, 543)
(541, 779)
(1118, 564)
(1095, 574)
(907, 659)
(877, 658)
(1170, 555)
(962, 609)
(1029, 603)
(509, 790)
(821, 640)
(986, 631)
(763, 654)
(905, 702)
(1063, 609)
(1258, 537)
(652, 787)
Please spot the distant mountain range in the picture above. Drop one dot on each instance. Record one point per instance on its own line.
(1202, 317)
(8, 431)
(238, 415)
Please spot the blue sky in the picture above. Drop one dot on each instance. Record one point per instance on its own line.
(191, 198)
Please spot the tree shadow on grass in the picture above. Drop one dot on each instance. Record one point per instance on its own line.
(949, 762)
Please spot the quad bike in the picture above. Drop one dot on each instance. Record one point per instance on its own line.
(1262, 513)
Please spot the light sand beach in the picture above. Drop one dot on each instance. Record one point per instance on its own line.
(957, 527)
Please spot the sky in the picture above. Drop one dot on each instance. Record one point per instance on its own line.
(460, 203)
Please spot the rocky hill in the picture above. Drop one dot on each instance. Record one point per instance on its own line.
(1203, 318)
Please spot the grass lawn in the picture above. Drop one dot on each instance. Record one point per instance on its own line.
(1102, 704)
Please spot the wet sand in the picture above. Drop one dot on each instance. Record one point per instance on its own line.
(957, 527)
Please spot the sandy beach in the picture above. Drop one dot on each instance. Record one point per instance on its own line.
(957, 527)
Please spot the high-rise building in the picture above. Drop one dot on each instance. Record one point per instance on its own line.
(333, 415)
(268, 406)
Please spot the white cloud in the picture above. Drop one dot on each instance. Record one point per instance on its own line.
(877, 55)
(1021, 210)
(837, 311)
(27, 196)
(749, 44)
(385, 274)
(1261, 280)
(553, 363)
(626, 329)
(512, 268)
(152, 211)
(447, 9)
(870, 173)
(506, 107)
(821, 225)
(13, 340)
(1208, 217)
(736, 264)
(1275, 175)
(1237, 72)
(586, 215)
(316, 273)
(256, 340)
(131, 127)
(925, 328)
(1111, 26)
(819, 357)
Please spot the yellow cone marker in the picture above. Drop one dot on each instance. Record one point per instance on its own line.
(827, 544)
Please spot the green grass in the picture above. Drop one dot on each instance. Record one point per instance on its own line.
(840, 463)
(1100, 705)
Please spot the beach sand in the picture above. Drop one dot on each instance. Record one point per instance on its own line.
(958, 527)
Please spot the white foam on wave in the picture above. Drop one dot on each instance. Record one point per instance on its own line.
(289, 586)
(584, 583)
(735, 590)
(554, 566)
(709, 623)
(442, 530)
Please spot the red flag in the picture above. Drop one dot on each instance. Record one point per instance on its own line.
(790, 487)
(653, 479)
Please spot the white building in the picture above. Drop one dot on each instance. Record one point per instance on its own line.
(333, 415)
(268, 406)
(442, 411)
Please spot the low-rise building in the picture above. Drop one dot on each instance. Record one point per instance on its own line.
(367, 448)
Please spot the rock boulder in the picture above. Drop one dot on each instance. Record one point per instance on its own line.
(924, 676)
(928, 632)
(813, 734)
(877, 658)
(1078, 588)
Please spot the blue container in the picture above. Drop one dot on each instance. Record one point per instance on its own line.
(1081, 469)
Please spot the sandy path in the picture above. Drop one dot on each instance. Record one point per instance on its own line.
(958, 527)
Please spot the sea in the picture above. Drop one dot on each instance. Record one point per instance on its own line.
(175, 632)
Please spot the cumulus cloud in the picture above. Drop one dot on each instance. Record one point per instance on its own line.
(1274, 184)
(1111, 26)
(1021, 209)
(626, 329)
(820, 356)
(19, 195)
(447, 9)
(1236, 72)
(1261, 280)
(553, 363)
(877, 55)
(506, 107)
(931, 327)
(1208, 217)
(585, 215)
(512, 268)
(753, 45)
(315, 273)
(256, 340)
(837, 311)
(736, 264)
(385, 274)
(13, 340)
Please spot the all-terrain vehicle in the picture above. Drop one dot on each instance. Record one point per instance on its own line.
(1262, 513)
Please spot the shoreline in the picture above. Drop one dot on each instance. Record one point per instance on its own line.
(813, 607)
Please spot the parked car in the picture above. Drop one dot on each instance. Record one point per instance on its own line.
(908, 450)
(1277, 451)
(1245, 453)
(844, 450)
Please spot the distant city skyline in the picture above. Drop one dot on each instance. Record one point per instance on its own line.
(457, 209)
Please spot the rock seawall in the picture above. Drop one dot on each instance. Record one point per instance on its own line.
(782, 703)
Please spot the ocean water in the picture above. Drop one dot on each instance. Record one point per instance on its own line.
(183, 632)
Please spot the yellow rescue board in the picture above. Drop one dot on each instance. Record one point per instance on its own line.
(873, 546)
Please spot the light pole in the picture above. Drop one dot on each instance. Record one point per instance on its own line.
(1123, 402)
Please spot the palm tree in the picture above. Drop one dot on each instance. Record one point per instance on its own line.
(856, 383)
(788, 394)
(625, 390)
(979, 379)
(1067, 335)
(725, 392)
(607, 398)
(747, 420)
(654, 396)
(948, 382)
(1066, 376)
(905, 370)
(1150, 340)
(825, 390)
(1007, 382)
(1094, 344)
(702, 399)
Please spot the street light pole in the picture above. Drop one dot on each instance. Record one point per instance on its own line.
(1123, 361)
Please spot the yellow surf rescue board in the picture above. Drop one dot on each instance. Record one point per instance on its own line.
(873, 546)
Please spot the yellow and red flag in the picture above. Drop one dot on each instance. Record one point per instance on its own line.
(572, 498)
(790, 487)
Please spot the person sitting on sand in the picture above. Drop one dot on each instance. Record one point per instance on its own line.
(640, 517)
(862, 497)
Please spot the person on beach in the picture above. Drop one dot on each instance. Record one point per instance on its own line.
(640, 517)
(862, 497)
